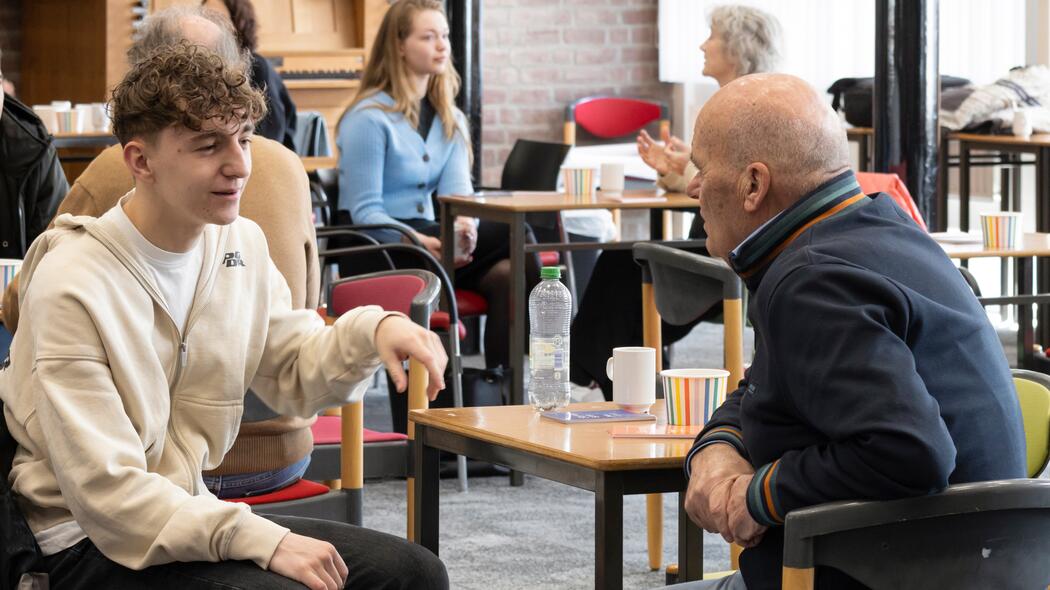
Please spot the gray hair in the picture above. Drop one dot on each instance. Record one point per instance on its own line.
(165, 28)
(751, 36)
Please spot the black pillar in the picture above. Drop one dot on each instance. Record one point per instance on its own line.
(464, 21)
(907, 97)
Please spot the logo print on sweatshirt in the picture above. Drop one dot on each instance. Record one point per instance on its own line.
(232, 259)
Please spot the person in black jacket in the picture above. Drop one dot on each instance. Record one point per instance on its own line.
(32, 182)
(279, 122)
(876, 372)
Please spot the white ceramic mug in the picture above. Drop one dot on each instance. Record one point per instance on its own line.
(85, 118)
(632, 369)
(612, 178)
(47, 116)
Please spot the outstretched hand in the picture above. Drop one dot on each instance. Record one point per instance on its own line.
(672, 155)
(398, 339)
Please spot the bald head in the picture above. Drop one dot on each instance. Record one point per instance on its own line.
(761, 143)
(779, 120)
(187, 24)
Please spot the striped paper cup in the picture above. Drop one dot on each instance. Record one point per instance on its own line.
(579, 181)
(692, 395)
(1001, 230)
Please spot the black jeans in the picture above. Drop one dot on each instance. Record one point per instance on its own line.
(375, 560)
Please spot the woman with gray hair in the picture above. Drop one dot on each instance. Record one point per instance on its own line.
(743, 40)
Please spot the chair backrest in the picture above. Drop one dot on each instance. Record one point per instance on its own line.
(533, 166)
(1033, 393)
(609, 117)
(686, 284)
(412, 292)
(891, 184)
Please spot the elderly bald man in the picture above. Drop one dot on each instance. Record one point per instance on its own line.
(876, 373)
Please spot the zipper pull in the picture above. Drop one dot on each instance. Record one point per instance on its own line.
(182, 354)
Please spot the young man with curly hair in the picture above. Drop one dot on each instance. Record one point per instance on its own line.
(142, 329)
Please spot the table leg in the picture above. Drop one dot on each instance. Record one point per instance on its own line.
(690, 545)
(940, 216)
(608, 531)
(426, 492)
(1025, 336)
(518, 303)
(651, 331)
(862, 154)
(964, 186)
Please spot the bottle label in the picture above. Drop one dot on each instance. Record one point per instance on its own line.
(547, 353)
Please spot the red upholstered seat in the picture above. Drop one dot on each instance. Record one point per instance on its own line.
(471, 303)
(328, 431)
(393, 293)
(891, 184)
(609, 117)
(297, 491)
(439, 320)
(550, 258)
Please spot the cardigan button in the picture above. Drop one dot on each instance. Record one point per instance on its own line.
(426, 157)
(419, 207)
(421, 185)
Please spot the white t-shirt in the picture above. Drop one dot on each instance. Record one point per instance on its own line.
(176, 275)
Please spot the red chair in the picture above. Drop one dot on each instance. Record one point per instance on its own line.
(608, 118)
(891, 184)
(342, 439)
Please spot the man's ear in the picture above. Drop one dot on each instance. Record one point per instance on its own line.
(756, 186)
(137, 160)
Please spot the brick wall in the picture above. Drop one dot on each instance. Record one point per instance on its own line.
(540, 55)
(11, 38)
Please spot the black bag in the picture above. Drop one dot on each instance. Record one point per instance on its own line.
(19, 552)
(854, 97)
(481, 387)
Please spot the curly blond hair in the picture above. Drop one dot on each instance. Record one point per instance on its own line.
(185, 85)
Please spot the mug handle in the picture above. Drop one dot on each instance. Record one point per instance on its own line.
(609, 369)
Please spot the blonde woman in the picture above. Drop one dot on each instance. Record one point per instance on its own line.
(403, 139)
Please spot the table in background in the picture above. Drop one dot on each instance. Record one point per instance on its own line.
(511, 208)
(77, 150)
(579, 455)
(1033, 245)
(863, 136)
(314, 163)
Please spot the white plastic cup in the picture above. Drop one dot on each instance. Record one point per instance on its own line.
(612, 179)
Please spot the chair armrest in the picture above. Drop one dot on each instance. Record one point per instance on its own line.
(333, 229)
(803, 525)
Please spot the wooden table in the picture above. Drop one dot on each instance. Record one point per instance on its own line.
(313, 163)
(1032, 246)
(511, 208)
(94, 139)
(580, 455)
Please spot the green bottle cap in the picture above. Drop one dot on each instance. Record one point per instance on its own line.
(550, 272)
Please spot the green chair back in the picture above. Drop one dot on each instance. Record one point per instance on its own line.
(1033, 393)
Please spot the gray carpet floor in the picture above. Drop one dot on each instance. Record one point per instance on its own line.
(540, 535)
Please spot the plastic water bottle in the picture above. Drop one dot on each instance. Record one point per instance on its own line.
(550, 313)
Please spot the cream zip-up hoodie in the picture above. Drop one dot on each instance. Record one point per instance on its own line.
(117, 412)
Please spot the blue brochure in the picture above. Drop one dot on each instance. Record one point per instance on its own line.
(592, 416)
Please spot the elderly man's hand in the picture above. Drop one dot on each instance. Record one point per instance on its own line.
(397, 339)
(743, 529)
(715, 470)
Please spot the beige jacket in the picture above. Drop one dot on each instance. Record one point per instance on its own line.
(116, 412)
(277, 197)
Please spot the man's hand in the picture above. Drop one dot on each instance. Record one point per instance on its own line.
(313, 563)
(397, 339)
(715, 470)
(743, 529)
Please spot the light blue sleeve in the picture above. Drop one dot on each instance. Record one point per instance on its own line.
(455, 178)
(362, 157)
